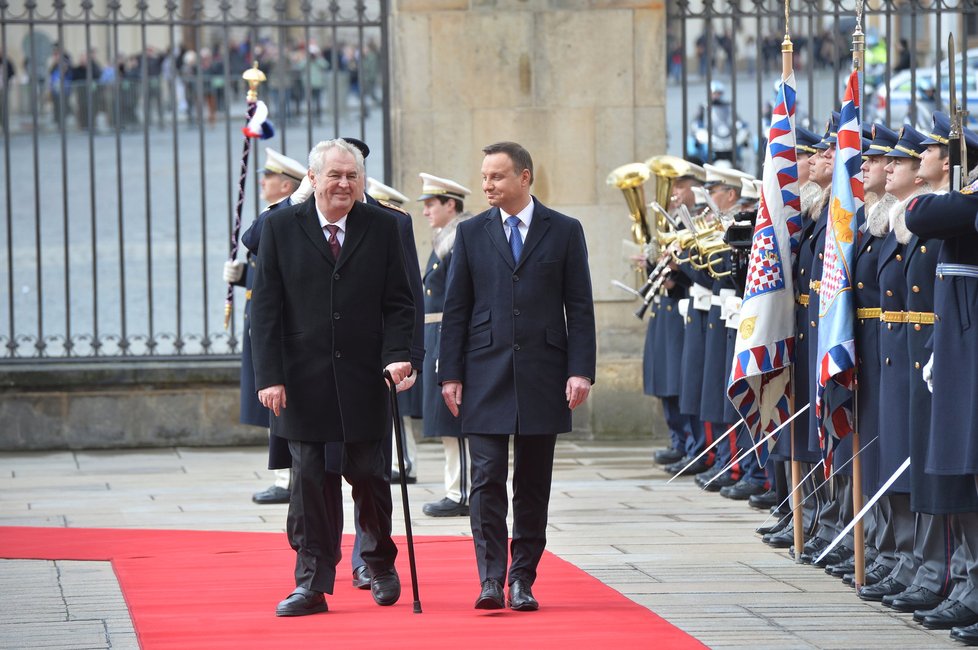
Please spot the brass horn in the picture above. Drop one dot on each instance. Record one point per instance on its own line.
(630, 179)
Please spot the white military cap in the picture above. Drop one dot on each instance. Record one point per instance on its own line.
(724, 176)
(383, 192)
(276, 163)
(749, 189)
(432, 186)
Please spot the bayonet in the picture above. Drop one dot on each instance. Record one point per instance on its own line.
(954, 137)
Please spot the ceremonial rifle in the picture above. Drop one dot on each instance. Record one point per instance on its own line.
(957, 146)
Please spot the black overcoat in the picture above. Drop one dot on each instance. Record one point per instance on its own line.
(513, 333)
(894, 440)
(438, 420)
(867, 332)
(817, 243)
(326, 328)
(954, 419)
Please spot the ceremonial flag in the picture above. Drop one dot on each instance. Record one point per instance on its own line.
(760, 380)
(836, 354)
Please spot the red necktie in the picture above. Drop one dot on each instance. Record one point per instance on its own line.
(334, 242)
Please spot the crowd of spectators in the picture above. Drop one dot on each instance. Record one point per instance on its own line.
(84, 91)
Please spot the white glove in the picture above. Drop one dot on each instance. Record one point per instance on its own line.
(928, 371)
(233, 271)
(303, 191)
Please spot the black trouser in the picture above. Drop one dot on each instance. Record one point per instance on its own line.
(533, 459)
(315, 521)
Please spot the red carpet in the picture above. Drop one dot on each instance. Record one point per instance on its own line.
(202, 589)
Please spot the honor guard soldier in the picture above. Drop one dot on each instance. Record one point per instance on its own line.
(780, 533)
(280, 177)
(881, 552)
(942, 221)
(910, 532)
(444, 208)
(409, 402)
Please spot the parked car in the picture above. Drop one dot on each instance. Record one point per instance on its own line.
(901, 90)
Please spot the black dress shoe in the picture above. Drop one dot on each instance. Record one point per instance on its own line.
(813, 548)
(445, 508)
(667, 456)
(839, 569)
(302, 602)
(521, 598)
(838, 555)
(386, 588)
(781, 539)
(491, 596)
(274, 494)
(967, 635)
(876, 573)
(883, 588)
(776, 527)
(711, 484)
(954, 615)
(396, 478)
(697, 467)
(763, 501)
(913, 599)
(920, 614)
(361, 577)
(742, 490)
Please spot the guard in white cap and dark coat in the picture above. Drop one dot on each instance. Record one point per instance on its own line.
(444, 208)
(280, 177)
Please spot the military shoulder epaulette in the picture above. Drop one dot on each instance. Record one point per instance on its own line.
(393, 206)
(970, 189)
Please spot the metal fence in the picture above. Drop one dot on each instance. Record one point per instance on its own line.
(122, 149)
(734, 46)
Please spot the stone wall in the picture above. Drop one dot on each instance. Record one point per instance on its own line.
(581, 84)
(115, 405)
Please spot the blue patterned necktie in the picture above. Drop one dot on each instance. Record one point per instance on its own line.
(515, 239)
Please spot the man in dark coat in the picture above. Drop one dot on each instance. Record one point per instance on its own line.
(518, 335)
(330, 313)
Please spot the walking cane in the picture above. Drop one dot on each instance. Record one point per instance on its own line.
(404, 495)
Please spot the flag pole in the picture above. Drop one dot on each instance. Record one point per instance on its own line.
(787, 65)
(859, 541)
(254, 77)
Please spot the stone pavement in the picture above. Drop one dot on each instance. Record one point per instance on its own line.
(689, 556)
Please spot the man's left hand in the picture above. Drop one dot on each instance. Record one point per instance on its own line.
(399, 371)
(578, 388)
(408, 381)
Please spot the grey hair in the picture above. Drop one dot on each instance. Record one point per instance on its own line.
(318, 155)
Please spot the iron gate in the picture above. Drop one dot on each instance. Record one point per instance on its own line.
(737, 44)
(122, 148)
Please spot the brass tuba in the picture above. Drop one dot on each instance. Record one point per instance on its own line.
(630, 179)
(666, 170)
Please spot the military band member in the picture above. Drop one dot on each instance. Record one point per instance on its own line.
(724, 187)
(662, 356)
(444, 209)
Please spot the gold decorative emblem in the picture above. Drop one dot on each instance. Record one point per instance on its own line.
(747, 327)
(841, 222)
